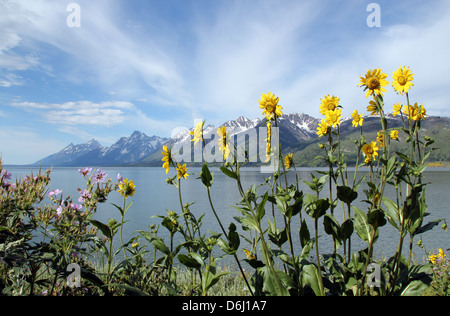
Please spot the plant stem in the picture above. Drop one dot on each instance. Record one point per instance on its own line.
(121, 227)
(319, 268)
(226, 235)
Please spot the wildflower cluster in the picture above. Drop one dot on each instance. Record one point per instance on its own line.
(441, 273)
(332, 111)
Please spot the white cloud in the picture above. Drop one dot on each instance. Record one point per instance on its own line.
(108, 113)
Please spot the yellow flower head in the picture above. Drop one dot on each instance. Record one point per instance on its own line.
(397, 109)
(432, 259)
(333, 118)
(197, 133)
(270, 105)
(415, 113)
(223, 143)
(394, 134)
(373, 82)
(380, 138)
(440, 255)
(373, 108)
(322, 129)
(288, 161)
(167, 157)
(357, 119)
(127, 188)
(370, 151)
(402, 80)
(328, 104)
(249, 254)
(182, 171)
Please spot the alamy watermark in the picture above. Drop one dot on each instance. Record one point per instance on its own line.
(247, 146)
(374, 278)
(74, 18)
(374, 18)
(74, 278)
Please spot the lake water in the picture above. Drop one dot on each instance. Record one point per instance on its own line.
(154, 196)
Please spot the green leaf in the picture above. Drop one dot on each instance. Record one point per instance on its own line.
(261, 207)
(160, 245)
(206, 176)
(197, 257)
(304, 234)
(390, 168)
(332, 227)
(228, 172)
(188, 261)
(427, 227)
(415, 288)
(248, 221)
(233, 237)
(310, 276)
(271, 285)
(346, 194)
(212, 279)
(376, 218)
(281, 201)
(105, 229)
(314, 207)
(362, 226)
(392, 211)
(347, 229)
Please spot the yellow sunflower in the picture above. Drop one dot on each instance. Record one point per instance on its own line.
(397, 109)
(415, 113)
(127, 188)
(373, 108)
(270, 105)
(357, 119)
(328, 104)
(182, 171)
(402, 80)
(322, 129)
(223, 144)
(370, 151)
(333, 118)
(289, 160)
(373, 82)
(380, 138)
(167, 157)
(197, 133)
(394, 134)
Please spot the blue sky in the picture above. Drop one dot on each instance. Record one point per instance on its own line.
(156, 66)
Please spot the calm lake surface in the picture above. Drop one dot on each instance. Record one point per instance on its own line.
(154, 196)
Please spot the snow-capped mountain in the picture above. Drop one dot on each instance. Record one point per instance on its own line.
(126, 150)
(297, 132)
(131, 149)
(303, 126)
(240, 125)
(140, 148)
(74, 154)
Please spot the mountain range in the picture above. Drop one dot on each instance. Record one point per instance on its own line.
(127, 150)
(297, 135)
